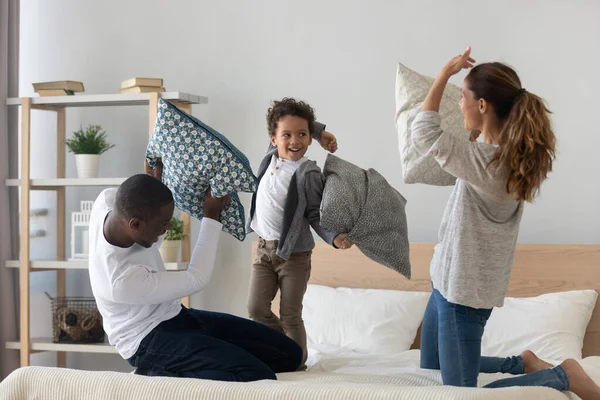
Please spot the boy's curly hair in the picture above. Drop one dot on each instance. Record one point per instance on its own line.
(289, 106)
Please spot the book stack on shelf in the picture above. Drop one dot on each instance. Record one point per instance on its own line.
(58, 88)
(142, 85)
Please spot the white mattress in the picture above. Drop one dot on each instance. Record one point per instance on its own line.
(327, 360)
(332, 375)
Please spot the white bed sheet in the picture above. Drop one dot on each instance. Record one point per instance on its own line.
(330, 360)
(333, 374)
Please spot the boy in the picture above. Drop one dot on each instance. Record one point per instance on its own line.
(286, 204)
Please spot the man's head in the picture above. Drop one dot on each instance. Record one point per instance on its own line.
(145, 205)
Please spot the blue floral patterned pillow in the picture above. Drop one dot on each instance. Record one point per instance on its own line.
(196, 157)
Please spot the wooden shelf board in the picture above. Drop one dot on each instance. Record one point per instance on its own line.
(107, 100)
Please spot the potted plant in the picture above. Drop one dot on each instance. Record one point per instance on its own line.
(169, 249)
(87, 145)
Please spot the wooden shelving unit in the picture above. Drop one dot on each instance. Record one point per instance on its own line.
(59, 105)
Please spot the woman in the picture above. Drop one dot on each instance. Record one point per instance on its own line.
(471, 266)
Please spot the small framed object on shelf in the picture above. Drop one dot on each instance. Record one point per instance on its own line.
(80, 228)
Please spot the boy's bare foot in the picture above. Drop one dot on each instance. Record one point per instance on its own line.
(580, 383)
(532, 363)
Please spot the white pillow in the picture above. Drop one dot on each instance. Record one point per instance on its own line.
(411, 90)
(551, 325)
(372, 321)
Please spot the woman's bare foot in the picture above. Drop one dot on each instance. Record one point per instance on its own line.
(580, 383)
(532, 363)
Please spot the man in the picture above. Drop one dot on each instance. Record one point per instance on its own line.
(139, 299)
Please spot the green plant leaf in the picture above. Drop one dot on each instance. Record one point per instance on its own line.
(92, 140)
(176, 231)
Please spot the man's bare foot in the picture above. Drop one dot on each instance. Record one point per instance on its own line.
(580, 383)
(532, 363)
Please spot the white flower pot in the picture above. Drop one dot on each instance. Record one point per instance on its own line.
(169, 250)
(87, 165)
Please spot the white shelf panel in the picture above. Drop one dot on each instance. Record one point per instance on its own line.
(37, 183)
(83, 264)
(107, 100)
(46, 344)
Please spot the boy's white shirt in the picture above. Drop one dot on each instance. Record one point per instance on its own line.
(132, 288)
(271, 196)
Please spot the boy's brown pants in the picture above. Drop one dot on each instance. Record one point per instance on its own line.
(270, 273)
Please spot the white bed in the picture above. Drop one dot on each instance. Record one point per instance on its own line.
(403, 369)
(333, 376)
(336, 372)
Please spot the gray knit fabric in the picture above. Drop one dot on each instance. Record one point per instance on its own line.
(472, 262)
(363, 204)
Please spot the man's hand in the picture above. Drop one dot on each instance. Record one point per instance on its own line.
(328, 142)
(341, 241)
(212, 206)
(155, 172)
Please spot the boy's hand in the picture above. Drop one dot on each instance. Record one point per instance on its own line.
(155, 172)
(341, 241)
(328, 142)
(212, 206)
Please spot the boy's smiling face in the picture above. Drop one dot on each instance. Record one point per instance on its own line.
(292, 137)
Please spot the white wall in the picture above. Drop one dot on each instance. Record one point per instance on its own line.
(341, 57)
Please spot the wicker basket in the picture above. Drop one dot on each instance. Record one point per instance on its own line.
(76, 320)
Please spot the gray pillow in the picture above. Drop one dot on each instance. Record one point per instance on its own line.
(411, 90)
(364, 205)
